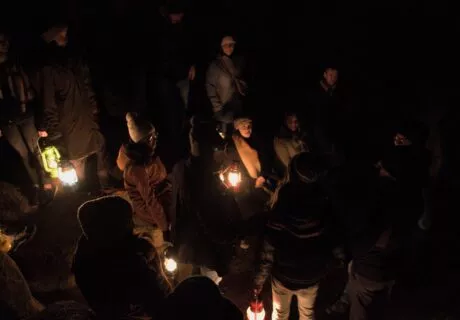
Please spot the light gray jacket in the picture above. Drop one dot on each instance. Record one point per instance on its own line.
(220, 86)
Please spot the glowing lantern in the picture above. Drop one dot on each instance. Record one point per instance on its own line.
(256, 310)
(231, 177)
(67, 174)
(170, 263)
(51, 157)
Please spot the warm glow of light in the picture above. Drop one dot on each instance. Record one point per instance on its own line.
(170, 265)
(221, 177)
(255, 316)
(68, 176)
(234, 178)
(52, 164)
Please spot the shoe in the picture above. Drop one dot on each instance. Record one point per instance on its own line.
(21, 238)
(244, 245)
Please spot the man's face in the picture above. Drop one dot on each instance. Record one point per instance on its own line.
(245, 130)
(228, 45)
(176, 18)
(401, 140)
(4, 47)
(61, 38)
(292, 123)
(331, 76)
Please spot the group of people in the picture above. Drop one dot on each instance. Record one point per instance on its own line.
(314, 201)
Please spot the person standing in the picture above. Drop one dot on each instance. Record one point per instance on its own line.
(225, 86)
(17, 122)
(297, 248)
(69, 106)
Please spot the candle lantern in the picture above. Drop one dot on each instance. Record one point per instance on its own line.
(231, 177)
(256, 309)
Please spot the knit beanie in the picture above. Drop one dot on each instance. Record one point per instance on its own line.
(138, 128)
(105, 218)
(227, 40)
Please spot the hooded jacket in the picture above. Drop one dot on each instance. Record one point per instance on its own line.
(146, 184)
(296, 249)
(112, 267)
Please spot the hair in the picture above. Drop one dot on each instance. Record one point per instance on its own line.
(301, 169)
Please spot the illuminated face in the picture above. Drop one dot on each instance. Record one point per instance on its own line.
(245, 130)
(292, 123)
(401, 140)
(331, 76)
(4, 48)
(228, 45)
(176, 18)
(61, 37)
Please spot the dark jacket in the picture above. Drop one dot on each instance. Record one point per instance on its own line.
(324, 117)
(297, 248)
(69, 104)
(17, 99)
(174, 50)
(382, 232)
(118, 280)
(204, 238)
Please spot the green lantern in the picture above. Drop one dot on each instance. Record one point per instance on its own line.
(51, 158)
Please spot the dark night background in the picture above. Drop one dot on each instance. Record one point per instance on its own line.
(395, 56)
(396, 59)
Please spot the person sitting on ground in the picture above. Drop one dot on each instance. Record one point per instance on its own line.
(199, 298)
(297, 248)
(16, 300)
(112, 267)
(145, 179)
(290, 140)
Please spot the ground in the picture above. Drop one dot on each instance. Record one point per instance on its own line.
(429, 292)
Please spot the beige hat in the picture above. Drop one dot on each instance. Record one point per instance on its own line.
(241, 121)
(138, 128)
(227, 40)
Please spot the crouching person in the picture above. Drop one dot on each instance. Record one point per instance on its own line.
(113, 267)
(296, 249)
(145, 180)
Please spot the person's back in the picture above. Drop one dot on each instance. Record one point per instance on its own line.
(296, 249)
(111, 265)
(300, 241)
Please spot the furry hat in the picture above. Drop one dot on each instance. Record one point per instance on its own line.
(241, 121)
(138, 128)
(106, 217)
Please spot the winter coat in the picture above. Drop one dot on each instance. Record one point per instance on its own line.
(15, 293)
(296, 248)
(206, 219)
(69, 105)
(288, 144)
(325, 117)
(147, 186)
(16, 94)
(175, 50)
(225, 89)
(118, 281)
